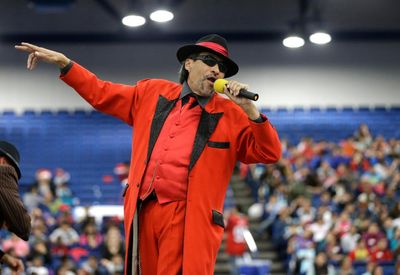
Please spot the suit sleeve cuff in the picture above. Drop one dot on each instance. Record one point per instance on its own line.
(66, 69)
(262, 118)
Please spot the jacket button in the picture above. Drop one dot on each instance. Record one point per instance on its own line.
(137, 185)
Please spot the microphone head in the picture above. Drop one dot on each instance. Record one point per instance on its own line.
(219, 85)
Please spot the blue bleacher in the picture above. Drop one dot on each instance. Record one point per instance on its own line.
(88, 144)
(334, 124)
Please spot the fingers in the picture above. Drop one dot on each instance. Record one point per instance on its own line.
(32, 61)
(29, 60)
(35, 60)
(234, 87)
(26, 47)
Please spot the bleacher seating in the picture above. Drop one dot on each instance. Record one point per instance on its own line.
(88, 144)
(333, 124)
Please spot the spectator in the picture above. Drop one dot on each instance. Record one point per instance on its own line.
(90, 237)
(360, 252)
(64, 234)
(321, 266)
(40, 249)
(44, 182)
(380, 252)
(346, 267)
(305, 212)
(373, 235)
(32, 198)
(90, 267)
(37, 266)
(236, 244)
(272, 208)
(113, 243)
(114, 266)
(348, 241)
(320, 229)
(343, 224)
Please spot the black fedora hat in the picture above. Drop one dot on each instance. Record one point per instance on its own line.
(11, 153)
(212, 43)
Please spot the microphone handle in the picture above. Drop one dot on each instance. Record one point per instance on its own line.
(249, 95)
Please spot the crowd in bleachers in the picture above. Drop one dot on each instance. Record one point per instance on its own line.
(332, 207)
(61, 243)
(327, 204)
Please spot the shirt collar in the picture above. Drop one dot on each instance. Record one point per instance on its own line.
(202, 100)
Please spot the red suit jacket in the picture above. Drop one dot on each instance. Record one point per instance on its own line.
(225, 135)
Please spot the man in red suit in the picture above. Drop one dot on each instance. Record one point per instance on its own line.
(186, 142)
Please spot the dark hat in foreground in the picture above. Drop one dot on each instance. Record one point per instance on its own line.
(11, 153)
(212, 43)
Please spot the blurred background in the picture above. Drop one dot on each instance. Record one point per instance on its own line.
(327, 74)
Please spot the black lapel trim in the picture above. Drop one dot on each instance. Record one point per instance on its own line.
(164, 107)
(207, 125)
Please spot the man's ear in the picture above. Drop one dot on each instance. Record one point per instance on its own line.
(188, 64)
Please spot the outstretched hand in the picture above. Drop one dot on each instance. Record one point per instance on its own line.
(37, 54)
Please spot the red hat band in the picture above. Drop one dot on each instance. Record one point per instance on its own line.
(215, 47)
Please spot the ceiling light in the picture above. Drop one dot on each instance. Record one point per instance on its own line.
(161, 16)
(133, 20)
(293, 41)
(320, 38)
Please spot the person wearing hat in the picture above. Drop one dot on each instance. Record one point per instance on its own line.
(185, 145)
(13, 214)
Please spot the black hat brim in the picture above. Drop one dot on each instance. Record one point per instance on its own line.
(14, 162)
(185, 51)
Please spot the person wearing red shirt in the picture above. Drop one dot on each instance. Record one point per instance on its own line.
(380, 252)
(236, 244)
(186, 142)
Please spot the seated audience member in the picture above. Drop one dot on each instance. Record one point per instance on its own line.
(348, 241)
(373, 235)
(90, 237)
(37, 267)
(64, 234)
(40, 249)
(346, 267)
(360, 252)
(114, 266)
(91, 266)
(32, 199)
(321, 266)
(380, 252)
(113, 243)
(236, 244)
(44, 182)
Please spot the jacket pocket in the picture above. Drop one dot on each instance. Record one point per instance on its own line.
(219, 144)
(218, 218)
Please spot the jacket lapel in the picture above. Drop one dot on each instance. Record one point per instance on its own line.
(207, 125)
(164, 107)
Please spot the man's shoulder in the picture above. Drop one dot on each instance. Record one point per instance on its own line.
(166, 88)
(160, 82)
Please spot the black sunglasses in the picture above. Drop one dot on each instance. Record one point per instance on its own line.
(211, 61)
